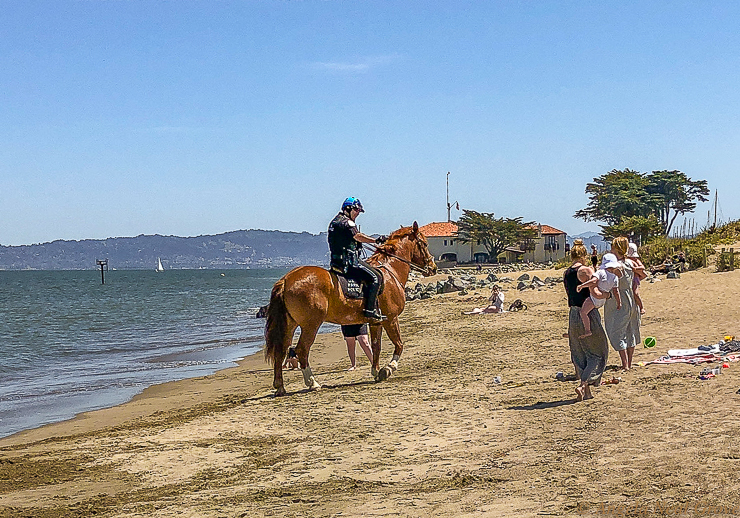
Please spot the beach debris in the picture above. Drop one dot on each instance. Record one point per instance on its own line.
(715, 371)
(612, 381)
(565, 377)
(497, 380)
(517, 305)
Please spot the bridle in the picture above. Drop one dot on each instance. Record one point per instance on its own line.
(390, 254)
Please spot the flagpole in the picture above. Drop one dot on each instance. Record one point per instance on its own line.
(449, 205)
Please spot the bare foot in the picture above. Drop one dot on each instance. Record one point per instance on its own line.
(642, 311)
(587, 394)
(579, 393)
(584, 335)
(351, 368)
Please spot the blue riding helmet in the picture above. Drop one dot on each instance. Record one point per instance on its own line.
(352, 203)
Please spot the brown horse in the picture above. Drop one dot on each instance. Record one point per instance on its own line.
(307, 296)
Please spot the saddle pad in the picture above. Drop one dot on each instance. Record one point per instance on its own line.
(350, 287)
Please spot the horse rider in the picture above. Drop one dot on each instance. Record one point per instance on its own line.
(345, 243)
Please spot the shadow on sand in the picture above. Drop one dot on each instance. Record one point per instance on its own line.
(544, 404)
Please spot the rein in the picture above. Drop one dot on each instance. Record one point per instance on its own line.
(389, 254)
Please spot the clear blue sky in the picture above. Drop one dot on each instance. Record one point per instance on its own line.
(120, 118)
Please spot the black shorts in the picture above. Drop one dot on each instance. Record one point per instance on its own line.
(354, 330)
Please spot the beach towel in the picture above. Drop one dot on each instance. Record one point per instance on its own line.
(704, 349)
(693, 360)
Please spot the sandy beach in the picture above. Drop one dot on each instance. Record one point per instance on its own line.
(440, 438)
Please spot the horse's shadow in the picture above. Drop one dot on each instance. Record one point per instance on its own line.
(540, 405)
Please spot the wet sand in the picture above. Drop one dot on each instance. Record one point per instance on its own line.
(439, 438)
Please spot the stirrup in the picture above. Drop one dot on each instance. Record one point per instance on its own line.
(374, 314)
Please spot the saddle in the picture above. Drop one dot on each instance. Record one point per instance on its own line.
(353, 288)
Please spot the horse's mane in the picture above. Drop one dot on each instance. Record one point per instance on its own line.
(391, 244)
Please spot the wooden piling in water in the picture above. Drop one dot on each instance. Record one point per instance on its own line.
(103, 263)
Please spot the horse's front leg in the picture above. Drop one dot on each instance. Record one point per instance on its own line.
(376, 333)
(394, 334)
(305, 341)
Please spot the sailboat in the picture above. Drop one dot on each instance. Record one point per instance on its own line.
(160, 268)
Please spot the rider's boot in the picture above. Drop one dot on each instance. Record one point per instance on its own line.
(371, 309)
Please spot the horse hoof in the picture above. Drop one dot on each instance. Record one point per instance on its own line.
(314, 387)
(384, 374)
(281, 392)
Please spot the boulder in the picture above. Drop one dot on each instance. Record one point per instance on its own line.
(523, 277)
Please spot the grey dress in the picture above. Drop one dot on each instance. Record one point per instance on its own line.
(623, 325)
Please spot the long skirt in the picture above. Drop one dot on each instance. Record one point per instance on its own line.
(588, 354)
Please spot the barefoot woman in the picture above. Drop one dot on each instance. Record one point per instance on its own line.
(589, 353)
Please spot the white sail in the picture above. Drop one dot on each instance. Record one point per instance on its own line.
(160, 268)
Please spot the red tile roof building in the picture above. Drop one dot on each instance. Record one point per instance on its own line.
(549, 246)
(446, 229)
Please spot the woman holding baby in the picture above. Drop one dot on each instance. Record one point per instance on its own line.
(622, 321)
(588, 352)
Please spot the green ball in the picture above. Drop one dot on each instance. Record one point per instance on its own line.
(649, 341)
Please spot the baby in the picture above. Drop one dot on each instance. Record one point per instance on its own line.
(640, 274)
(603, 282)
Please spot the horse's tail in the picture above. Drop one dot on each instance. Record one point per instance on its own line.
(277, 325)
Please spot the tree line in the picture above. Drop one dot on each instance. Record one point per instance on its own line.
(628, 203)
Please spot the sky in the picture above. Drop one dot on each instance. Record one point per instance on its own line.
(126, 117)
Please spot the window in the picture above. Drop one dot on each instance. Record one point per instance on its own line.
(528, 244)
(551, 243)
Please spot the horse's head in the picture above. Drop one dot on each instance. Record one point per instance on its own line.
(420, 255)
(412, 248)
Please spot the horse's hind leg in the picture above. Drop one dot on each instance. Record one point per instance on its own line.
(278, 384)
(305, 341)
(394, 334)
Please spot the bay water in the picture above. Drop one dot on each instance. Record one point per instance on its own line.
(69, 343)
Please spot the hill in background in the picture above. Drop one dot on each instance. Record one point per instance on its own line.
(591, 238)
(238, 249)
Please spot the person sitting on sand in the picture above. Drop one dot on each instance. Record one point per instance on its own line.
(601, 286)
(292, 360)
(663, 268)
(496, 305)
